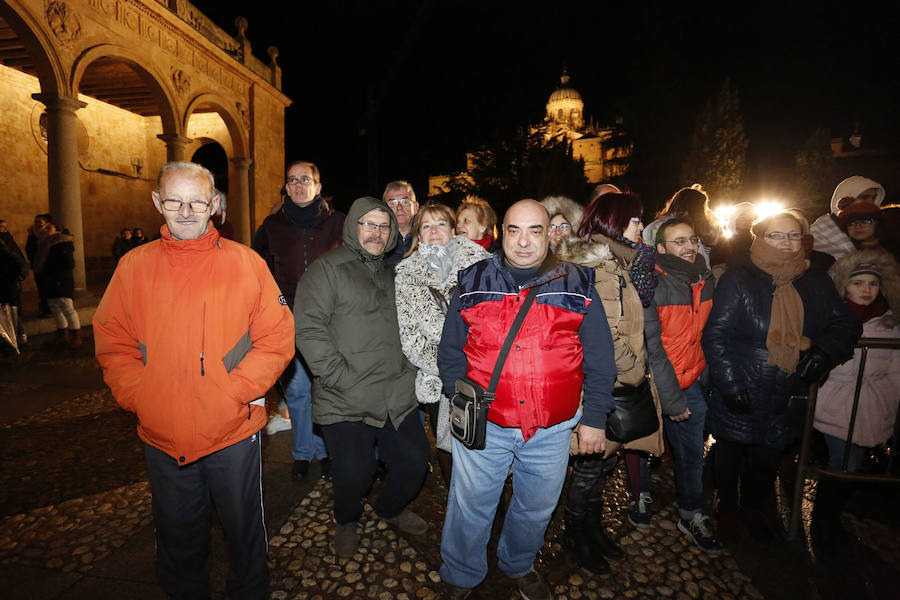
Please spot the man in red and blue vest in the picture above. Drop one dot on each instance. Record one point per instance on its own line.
(673, 326)
(563, 346)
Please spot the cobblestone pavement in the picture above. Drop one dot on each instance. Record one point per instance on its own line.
(75, 510)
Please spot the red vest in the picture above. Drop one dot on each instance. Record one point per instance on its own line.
(541, 381)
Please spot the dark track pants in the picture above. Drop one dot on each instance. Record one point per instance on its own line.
(232, 479)
(351, 445)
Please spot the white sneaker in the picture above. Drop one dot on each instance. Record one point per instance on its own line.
(277, 423)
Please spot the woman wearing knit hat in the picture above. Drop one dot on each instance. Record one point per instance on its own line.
(869, 280)
(829, 237)
(860, 222)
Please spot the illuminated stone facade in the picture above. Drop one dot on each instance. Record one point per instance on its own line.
(565, 119)
(95, 95)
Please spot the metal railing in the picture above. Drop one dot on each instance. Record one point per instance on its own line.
(807, 471)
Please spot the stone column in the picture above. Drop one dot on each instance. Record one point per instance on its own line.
(239, 198)
(63, 174)
(175, 145)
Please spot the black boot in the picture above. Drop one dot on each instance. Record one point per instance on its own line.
(580, 543)
(597, 531)
(445, 461)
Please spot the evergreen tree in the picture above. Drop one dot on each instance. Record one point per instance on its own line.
(718, 148)
(813, 166)
(522, 165)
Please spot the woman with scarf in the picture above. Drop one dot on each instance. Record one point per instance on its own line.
(776, 326)
(609, 240)
(424, 282)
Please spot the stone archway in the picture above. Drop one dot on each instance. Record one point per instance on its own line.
(128, 108)
(237, 121)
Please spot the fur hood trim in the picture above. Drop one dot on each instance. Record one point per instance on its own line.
(568, 207)
(585, 253)
(890, 276)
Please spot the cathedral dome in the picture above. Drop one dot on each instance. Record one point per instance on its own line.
(565, 106)
(564, 92)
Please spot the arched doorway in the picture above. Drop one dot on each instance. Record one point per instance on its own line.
(212, 156)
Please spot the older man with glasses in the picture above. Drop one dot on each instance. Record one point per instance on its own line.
(401, 198)
(190, 333)
(364, 389)
(304, 228)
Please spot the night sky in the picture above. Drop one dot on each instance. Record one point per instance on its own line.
(448, 76)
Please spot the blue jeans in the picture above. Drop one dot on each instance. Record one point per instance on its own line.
(298, 397)
(538, 469)
(686, 443)
(836, 454)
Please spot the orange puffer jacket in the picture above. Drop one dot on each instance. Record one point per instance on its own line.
(673, 327)
(189, 333)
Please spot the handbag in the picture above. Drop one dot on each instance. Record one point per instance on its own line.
(470, 404)
(635, 414)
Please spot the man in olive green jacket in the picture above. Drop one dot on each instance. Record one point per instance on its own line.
(363, 392)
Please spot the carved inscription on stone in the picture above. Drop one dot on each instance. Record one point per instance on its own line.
(63, 21)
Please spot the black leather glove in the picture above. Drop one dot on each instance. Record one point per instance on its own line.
(739, 402)
(814, 366)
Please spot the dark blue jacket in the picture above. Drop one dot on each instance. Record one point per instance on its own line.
(734, 342)
(393, 258)
(564, 287)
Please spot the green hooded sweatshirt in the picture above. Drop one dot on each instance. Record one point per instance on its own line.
(346, 322)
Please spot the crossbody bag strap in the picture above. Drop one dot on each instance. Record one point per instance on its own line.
(507, 344)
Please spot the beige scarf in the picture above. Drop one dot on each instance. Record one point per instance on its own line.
(784, 340)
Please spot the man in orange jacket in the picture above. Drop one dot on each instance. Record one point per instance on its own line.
(673, 326)
(191, 332)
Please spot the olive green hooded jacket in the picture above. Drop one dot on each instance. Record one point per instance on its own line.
(346, 322)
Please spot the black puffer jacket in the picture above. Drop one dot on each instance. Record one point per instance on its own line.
(58, 270)
(734, 342)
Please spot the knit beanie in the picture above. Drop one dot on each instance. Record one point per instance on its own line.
(865, 268)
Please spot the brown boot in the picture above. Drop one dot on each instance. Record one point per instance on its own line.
(75, 338)
(59, 339)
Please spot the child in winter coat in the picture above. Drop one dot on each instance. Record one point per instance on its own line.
(870, 283)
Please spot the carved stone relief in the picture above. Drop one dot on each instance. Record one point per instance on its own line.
(181, 81)
(63, 21)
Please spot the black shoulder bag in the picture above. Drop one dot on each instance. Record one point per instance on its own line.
(469, 405)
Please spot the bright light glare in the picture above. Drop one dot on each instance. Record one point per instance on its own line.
(767, 208)
(722, 213)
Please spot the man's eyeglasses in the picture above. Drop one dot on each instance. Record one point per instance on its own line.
(305, 180)
(197, 206)
(370, 227)
(778, 236)
(562, 228)
(404, 201)
(866, 221)
(693, 241)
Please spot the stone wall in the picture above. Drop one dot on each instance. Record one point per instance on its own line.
(267, 171)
